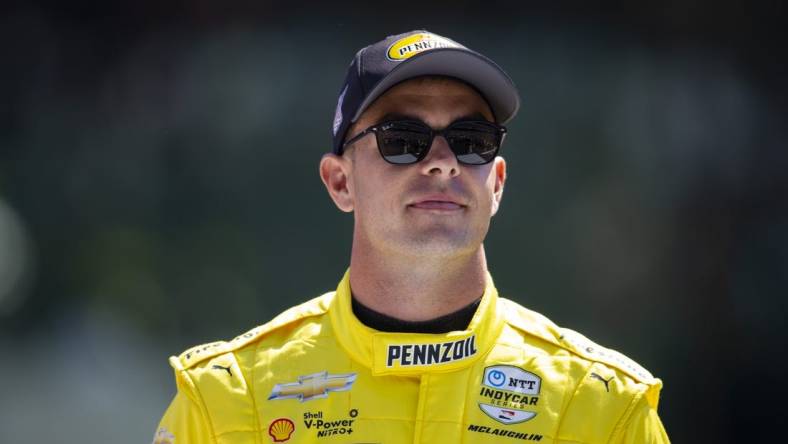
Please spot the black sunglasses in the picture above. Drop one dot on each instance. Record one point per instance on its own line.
(403, 142)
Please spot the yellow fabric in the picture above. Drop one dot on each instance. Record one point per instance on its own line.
(316, 374)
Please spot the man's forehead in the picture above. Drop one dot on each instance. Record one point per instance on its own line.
(421, 96)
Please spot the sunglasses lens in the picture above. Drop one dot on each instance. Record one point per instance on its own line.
(474, 143)
(406, 142)
(403, 142)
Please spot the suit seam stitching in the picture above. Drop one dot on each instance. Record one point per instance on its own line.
(465, 410)
(557, 433)
(626, 415)
(251, 386)
(227, 432)
(203, 406)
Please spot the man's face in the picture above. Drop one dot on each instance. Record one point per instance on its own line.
(436, 207)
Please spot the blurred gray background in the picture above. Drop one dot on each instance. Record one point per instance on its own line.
(159, 189)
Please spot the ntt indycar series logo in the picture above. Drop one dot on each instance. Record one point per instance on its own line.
(508, 391)
(406, 355)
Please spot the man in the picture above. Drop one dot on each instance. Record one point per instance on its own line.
(415, 345)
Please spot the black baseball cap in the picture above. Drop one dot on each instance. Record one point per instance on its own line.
(400, 57)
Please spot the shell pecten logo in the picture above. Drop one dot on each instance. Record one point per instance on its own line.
(281, 429)
(411, 45)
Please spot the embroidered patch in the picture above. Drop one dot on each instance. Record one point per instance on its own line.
(314, 386)
(281, 429)
(507, 391)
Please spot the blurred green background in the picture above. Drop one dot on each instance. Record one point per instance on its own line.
(159, 189)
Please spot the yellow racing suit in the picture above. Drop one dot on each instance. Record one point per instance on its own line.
(315, 374)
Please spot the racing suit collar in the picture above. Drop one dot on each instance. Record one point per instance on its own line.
(415, 353)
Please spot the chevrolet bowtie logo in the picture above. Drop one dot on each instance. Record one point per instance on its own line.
(313, 386)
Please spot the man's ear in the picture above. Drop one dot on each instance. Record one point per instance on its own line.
(335, 173)
(499, 171)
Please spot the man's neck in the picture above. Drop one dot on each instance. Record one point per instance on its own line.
(417, 289)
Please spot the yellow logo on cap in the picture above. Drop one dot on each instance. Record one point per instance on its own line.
(411, 45)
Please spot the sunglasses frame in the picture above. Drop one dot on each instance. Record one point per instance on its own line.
(378, 128)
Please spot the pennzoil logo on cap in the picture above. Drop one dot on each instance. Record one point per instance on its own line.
(411, 45)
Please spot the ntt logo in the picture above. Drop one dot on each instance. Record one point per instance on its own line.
(513, 379)
(496, 378)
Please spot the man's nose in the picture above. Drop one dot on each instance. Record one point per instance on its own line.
(440, 160)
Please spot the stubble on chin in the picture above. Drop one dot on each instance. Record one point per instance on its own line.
(433, 242)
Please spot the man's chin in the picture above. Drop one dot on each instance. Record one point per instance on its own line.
(437, 244)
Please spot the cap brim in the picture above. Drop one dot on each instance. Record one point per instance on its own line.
(482, 73)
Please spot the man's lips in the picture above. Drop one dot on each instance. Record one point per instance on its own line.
(437, 202)
(436, 205)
